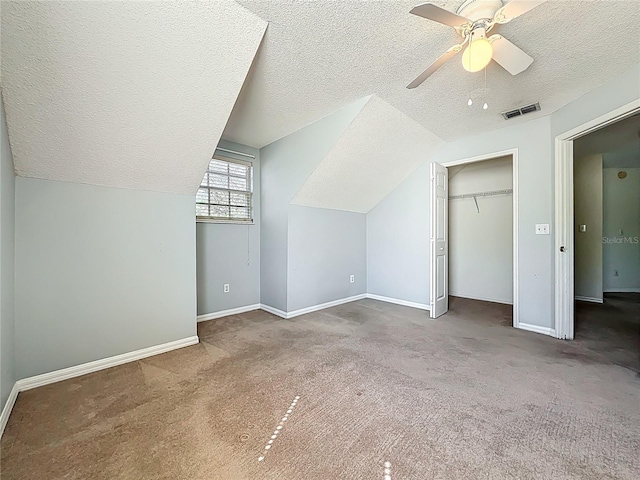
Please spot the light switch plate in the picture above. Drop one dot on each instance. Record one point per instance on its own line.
(583, 228)
(542, 229)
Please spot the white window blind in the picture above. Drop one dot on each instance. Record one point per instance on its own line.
(225, 191)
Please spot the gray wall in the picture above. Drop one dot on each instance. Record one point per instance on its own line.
(325, 248)
(398, 241)
(100, 271)
(228, 253)
(621, 212)
(7, 236)
(587, 189)
(614, 94)
(397, 229)
(535, 195)
(481, 243)
(285, 165)
(410, 220)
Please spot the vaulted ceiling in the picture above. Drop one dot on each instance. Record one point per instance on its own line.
(319, 56)
(138, 94)
(123, 94)
(377, 151)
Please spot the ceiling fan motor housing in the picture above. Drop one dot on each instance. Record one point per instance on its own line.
(479, 9)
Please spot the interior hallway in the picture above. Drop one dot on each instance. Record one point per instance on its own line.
(611, 331)
(463, 396)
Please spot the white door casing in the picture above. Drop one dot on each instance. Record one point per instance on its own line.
(564, 221)
(439, 248)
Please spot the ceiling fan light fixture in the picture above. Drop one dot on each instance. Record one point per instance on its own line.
(477, 55)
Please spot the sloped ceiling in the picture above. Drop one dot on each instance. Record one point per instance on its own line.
(123, 94)
(377, 151)
(319, 56)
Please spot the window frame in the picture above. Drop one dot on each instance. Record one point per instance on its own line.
(237, 221)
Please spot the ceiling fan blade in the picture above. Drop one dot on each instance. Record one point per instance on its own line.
(510, 57)
(440, 15)
(515, 8)
(435, 66)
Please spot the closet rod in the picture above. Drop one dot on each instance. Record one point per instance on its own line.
(237, 153)
(482, 194)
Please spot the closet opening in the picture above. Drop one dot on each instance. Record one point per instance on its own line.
(481, 218)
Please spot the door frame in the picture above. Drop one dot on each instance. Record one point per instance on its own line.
(564, 221)
(514, 157)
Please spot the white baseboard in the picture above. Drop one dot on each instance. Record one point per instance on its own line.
(226, 313)
(322, 306)
(482, 299)
(83, 369)
(8, 406)
(622, 290)
(313, 308)
(588, 299)
(273, 310)
(78, 370)
(334, 303)
(406, 303)
(535, 328)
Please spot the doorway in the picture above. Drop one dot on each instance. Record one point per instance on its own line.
(606, 181)
(564, 216)
(474, 208)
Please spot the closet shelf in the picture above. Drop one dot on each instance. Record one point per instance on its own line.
(482, 194)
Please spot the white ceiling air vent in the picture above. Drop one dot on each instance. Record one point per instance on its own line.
(534, 107)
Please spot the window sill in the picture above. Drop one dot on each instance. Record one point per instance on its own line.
(228, 222)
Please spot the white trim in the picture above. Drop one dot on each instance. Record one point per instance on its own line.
(253, 157)
(480, 158)
(8, 406)
(313, 308)
(397, 301)
(514, 153)
(482, 299)
(537, 329)
(226, 313)
(622, 290)
(83, 369)
(564, 232)
(580, 298)
(272, 310)
(597, 123)
(322, 306)
(564, 267)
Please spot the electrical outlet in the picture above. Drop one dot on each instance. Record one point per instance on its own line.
(352, 279)
(225, 288)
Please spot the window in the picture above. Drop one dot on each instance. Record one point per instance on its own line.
(225, 192)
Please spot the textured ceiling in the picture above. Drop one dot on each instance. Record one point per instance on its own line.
(124, 94)
(319, 56)
(377, 151)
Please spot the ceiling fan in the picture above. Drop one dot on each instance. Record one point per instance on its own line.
(473, 21)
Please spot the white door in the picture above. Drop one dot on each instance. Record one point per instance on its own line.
(439, 281)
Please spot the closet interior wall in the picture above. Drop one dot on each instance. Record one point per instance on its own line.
(481, 230)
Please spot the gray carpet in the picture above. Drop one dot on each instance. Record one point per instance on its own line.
(463, 396)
